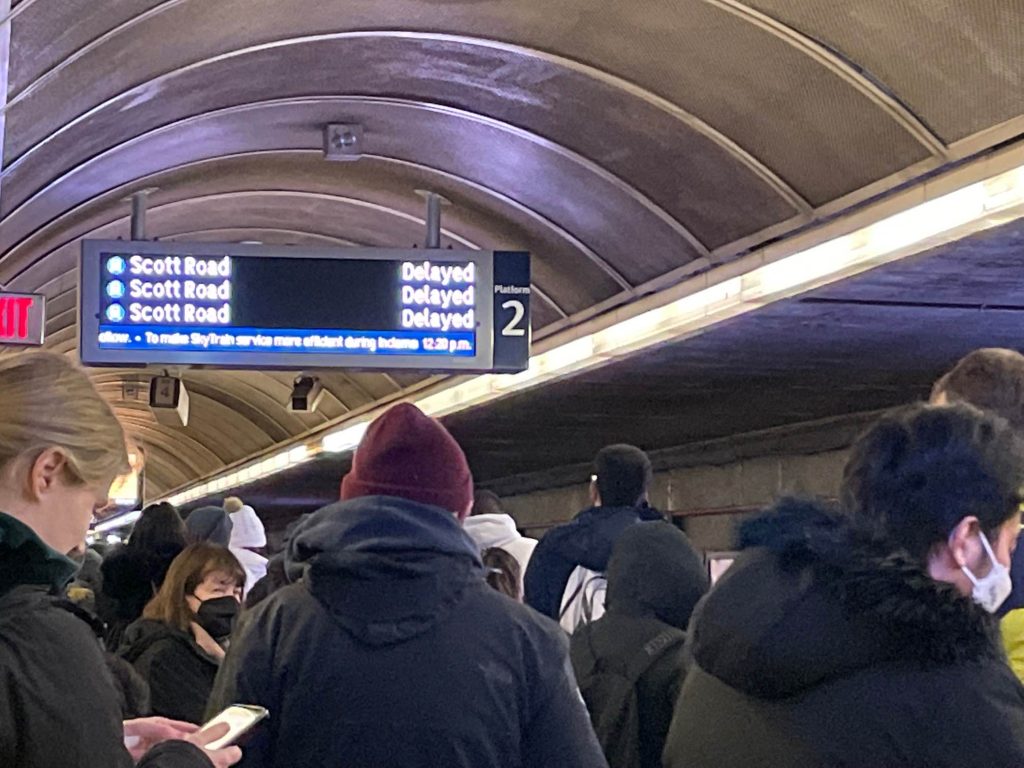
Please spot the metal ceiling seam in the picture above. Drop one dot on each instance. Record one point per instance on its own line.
(110, 34)
(745, 158)
(883, 98)
(214, 389)
(572, 156)
(185, 201)
(185, 451)
(5, 68)
(195, 453)
(224, 426)
(549, 224)
(344, 199)
(245, 381)
(319, 236)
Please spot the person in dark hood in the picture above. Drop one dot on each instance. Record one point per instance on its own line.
(618, 490)
(392, 651)
(280, 573)
(209, 524)
(61, 447)
(131, 574)
(179, 643)
(866, 636)
(629, 663)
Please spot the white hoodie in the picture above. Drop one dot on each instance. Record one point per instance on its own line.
(499, 530)
(247, 531)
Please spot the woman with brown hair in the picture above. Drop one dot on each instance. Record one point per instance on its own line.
(61, 447)
(179, 642)
(503, 572)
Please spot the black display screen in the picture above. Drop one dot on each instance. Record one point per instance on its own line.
(230, 305)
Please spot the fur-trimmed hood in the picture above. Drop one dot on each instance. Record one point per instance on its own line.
(813, 599)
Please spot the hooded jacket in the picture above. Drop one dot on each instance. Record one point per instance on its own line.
(585, 541)
(393, 651)
(58, 704)
(130, 578)
(823, 647)
(499, 530)
(655, 579)
(179, 673)
(247, 533)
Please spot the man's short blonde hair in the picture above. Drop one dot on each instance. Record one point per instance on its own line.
(989, 379)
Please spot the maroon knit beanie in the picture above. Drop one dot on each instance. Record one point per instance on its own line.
(406, 453)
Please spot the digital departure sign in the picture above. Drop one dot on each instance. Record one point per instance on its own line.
(254, 306)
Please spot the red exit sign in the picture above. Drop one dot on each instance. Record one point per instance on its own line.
(22, 318)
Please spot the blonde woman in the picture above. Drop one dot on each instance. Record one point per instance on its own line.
(60, 449)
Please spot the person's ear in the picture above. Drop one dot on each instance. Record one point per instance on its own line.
(47, 472)
(963, 541)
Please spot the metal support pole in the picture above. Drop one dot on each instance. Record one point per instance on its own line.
(139, 215)
(433, 221)
(434, 203)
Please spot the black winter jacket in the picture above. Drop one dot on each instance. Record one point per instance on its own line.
(587, 540)
(58, 707)
(179, 673)
(822, 647)
(392, 652)
(130, 579)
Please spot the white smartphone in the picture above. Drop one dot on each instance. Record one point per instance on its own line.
(241, 718)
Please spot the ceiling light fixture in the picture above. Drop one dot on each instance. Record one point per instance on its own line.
(777, 272)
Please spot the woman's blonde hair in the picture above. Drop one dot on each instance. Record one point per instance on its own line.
(49, 402)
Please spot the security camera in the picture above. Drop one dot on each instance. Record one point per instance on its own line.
(307, 392)
(168, 399)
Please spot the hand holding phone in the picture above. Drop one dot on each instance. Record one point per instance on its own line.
(239, 719)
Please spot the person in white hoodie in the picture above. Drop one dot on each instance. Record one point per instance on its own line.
(247, 534)
(490, 526)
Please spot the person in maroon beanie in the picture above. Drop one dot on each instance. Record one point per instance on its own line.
(392, 650)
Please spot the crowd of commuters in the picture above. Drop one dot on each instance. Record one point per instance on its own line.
(412, 624)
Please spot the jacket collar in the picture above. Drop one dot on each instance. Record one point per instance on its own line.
(873, 578)
(25, 560)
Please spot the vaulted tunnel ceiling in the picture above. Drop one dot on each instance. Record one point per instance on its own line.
(625, 146)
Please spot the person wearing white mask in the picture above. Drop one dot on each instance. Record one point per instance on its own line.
(865, 636)
(247, 534)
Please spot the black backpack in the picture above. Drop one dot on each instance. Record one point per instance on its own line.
(610, 692)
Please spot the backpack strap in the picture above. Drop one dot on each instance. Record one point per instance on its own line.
(572, 599)
(653, 650)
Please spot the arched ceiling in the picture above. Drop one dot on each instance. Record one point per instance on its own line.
(625, 145)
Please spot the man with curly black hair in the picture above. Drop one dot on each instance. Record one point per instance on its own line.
(865, 636)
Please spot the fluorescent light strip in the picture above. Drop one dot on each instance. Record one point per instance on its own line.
(978, 206)
(117, 522)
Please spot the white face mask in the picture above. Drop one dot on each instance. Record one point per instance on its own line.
(991, 591)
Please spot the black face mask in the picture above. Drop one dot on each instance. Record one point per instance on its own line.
(217, 616)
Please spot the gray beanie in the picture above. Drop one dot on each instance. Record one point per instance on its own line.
(211, 524)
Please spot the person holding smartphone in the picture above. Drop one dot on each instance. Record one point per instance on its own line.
(61, 447)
